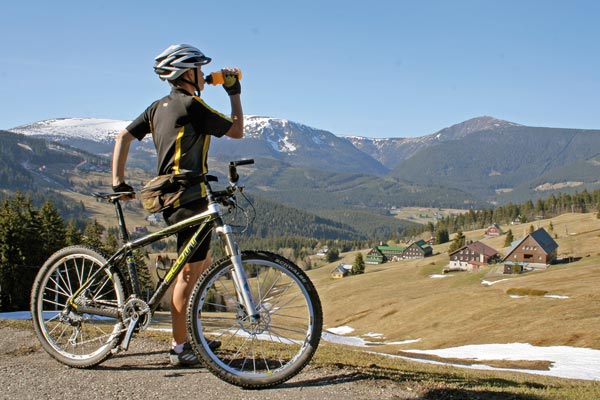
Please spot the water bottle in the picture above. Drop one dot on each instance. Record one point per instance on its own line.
(217, 78)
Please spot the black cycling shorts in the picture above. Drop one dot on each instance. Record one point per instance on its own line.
(174, 215)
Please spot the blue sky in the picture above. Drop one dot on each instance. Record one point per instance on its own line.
(377, 69)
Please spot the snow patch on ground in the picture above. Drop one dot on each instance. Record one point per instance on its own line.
(341, 330)
(490, 283)
(567, 362)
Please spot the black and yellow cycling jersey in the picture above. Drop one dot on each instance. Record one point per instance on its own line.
(181, 126)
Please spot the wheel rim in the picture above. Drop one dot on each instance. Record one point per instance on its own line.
(265, 347)
(77, 336)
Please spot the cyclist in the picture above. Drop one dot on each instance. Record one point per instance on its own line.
(181, 125)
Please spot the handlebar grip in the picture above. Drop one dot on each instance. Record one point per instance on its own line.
(243, 162)
(233, 175)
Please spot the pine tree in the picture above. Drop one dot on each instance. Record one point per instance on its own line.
(333, 254)
(458, 242)
(73, 235)
(441, 235)
(509, 238)
(20, 252)
(358, 267)
(52, 229)
(92, 235)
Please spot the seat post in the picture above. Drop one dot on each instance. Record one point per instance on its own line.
(121, 218)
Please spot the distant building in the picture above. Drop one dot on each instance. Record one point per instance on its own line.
(494, 230)
(535, 251)
(382, 254)
(341, 271)
(473, 256)
(140, 229)
(418, 249)
(322, 252)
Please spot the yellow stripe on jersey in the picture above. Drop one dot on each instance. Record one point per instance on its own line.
(177, 157)
(209, 108)
(204, 162)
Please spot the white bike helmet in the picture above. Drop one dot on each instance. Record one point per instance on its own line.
(176, 59)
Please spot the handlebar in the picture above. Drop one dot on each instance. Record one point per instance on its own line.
(233, 175)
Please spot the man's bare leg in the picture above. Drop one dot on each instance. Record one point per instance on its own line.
(181, 294)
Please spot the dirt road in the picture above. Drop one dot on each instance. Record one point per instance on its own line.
(143, 372)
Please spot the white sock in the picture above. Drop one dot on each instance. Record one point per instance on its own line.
(177, 348)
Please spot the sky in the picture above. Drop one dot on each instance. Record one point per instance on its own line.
(378, 69)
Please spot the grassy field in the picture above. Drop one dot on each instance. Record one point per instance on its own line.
(401, 301)
(423, 215)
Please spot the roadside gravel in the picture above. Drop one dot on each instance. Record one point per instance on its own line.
(143, 372)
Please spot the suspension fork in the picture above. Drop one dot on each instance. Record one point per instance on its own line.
(239, 276)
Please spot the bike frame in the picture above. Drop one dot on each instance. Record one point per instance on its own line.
(206, 221)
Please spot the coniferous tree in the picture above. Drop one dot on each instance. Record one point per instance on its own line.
(509, 238)
(20, 253)
(441, 235)
(358, 267)
(73, 235)
(458, 242)
(52, 229)
(333, 254)
(92, 235)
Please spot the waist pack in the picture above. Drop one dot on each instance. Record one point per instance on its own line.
(161, 192)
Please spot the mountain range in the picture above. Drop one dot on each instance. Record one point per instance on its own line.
(473, 163)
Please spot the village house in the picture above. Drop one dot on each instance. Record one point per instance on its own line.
(493, 230)
(341, 271)
(535, 251)
(418, 249)
(472, 257)
(383, 253)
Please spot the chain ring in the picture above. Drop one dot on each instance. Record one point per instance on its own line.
(137, 307)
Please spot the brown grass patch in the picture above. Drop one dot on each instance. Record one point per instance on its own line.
(540, 365)
(526, 292)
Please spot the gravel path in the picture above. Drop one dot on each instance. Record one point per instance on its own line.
(143, 372)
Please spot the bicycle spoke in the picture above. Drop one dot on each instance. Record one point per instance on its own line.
(73, 338)
(268, 346)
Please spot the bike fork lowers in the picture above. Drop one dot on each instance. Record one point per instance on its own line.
(239, 273)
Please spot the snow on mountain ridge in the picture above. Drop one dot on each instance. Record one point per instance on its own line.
(96, 129)
(279, 133)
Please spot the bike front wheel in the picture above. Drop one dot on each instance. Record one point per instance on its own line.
(263, 352)
(72, 337)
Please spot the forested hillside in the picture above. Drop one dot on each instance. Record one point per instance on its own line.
(317, 190)
(28, 163)
(506, 158)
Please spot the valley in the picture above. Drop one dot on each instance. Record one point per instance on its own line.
(412, 304)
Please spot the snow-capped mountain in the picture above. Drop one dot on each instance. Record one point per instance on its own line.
(61, 129)
(286, 141)
(298, 145)
(289, 142)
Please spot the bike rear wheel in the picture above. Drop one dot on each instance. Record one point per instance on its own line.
(73, 338)
(262, 353)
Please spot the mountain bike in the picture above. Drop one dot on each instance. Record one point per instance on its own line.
(261, 307)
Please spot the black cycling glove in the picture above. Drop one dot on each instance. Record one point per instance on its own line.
(232, 84)
(122, 187)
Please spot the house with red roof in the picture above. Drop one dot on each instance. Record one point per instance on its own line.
(473, 256)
